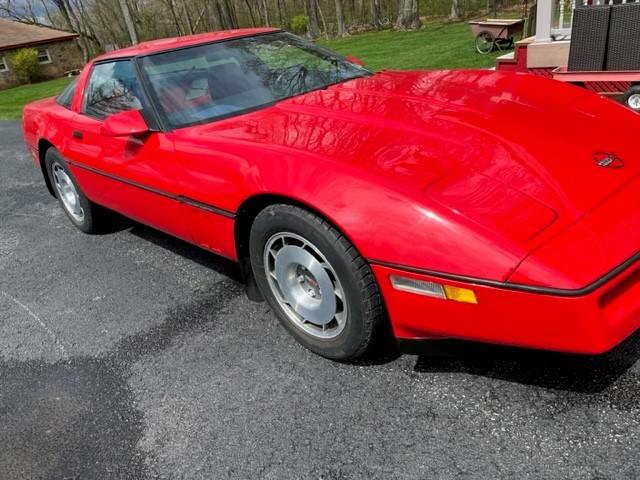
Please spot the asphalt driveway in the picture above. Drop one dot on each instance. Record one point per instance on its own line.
(134, 355)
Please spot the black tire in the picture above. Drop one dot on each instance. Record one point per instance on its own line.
(631, 98)
(365, 310)
(504, 43)
(92, 219)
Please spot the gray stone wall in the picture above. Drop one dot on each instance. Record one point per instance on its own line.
(65, 56)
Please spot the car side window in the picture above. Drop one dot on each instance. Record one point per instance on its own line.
(113, 87)
(66, 97)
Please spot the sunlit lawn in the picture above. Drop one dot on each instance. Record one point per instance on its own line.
(13, 99)
(436, 45)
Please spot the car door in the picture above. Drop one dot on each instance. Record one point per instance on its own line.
(133, 175)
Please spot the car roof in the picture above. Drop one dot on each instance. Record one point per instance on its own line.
(164, 44)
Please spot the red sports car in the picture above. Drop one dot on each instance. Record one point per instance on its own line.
(479, 205)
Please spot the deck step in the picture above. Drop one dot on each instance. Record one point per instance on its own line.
(526, 41)
(507, 57)
(516, 60)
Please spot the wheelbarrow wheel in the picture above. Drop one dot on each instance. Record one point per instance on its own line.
(504, 43)
(485, 42)
(631, 98)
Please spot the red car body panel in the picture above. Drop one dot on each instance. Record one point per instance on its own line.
(590, 324)
(480, 178)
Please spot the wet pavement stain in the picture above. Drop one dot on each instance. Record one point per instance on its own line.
(72, 419)
(77, 419)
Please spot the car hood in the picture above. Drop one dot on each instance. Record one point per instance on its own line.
(513, 153)
(534, 135)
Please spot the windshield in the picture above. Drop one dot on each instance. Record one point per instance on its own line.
(207, 82)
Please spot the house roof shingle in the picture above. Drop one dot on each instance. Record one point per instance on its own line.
(17, 35)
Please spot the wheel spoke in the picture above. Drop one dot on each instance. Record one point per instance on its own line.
(67, 192)
(305, 285)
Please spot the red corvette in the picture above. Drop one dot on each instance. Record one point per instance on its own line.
(479, 205)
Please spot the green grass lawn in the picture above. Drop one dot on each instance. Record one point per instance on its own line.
(437, 45)
(13, 99)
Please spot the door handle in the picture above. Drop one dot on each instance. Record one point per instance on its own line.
(77, 134)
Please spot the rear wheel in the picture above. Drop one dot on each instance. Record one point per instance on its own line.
(321, 289)
(504, 43)
(631, 98)
(84, 214)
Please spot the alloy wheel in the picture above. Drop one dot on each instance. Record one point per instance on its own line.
(67, 192)
(305, 285)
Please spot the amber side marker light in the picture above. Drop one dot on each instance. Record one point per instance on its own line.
(433, 289)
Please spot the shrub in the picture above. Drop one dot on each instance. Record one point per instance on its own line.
(299, 24)
(24, 64)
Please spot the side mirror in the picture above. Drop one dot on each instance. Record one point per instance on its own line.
(124, 124)
(355, 60)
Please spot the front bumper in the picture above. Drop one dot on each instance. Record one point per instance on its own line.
(590, 324)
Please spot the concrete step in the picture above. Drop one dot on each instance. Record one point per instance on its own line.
(507, 57)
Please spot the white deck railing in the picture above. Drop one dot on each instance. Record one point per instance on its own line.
(554, 17)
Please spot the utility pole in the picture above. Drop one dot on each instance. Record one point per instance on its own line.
(127, 19)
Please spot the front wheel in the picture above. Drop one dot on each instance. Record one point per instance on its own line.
(321, 289)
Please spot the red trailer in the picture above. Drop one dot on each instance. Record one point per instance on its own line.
(623, 84)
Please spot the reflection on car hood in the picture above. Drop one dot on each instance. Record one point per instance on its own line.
(535, 136)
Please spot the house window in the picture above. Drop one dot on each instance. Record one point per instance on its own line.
(3, 64)
(43, 56)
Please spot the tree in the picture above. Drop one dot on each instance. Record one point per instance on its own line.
(340, 18)
(322, 19)
(126, 14)
(224, 14)
(107, 24)
(216, 16)
(455, 10)
(361, 11)
(265, 13)
(75, 25)
(374, 13)
(408, 17)
(232, 16)
(281, 12)
(312, 12)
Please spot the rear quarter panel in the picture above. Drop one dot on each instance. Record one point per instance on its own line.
(46, 120)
